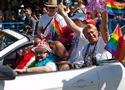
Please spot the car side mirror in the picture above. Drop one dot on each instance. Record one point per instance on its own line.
(6, 73)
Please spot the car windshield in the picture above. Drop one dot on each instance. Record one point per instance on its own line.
(6, 40)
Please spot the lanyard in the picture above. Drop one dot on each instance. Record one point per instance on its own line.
(89, 55)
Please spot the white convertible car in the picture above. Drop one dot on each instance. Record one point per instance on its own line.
(102, 75)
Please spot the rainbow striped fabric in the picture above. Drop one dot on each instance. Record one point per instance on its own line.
(115, 8)
(116, 45)
(57, 30)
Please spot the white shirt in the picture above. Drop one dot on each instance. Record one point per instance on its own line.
(52, 65)
(99, 52)
(45, 19)
(67, 11)
(79, 43)
(80, 10)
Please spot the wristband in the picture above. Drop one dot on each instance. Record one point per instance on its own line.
(64, 16)
(26, 70)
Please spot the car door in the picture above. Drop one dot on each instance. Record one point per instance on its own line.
(10, 41)
(111, 75)
(76, 79)
(80, 79)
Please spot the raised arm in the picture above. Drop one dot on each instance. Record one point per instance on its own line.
(122, 15)
(69, 22)
(104, 27)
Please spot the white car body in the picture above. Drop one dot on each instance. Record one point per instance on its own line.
(107, 75)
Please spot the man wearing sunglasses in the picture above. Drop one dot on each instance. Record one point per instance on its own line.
(44, 60)
(46, 21)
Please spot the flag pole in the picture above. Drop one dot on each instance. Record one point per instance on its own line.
(124, 34)
(113, 31)
(109, 35)
(115, 28)
(101, 54)
(122, 27)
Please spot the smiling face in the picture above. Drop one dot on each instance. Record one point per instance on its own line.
(91, 34)
(41, 54)
(67, 4)
(71, 8)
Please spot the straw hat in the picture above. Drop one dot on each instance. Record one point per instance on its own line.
(52, 3)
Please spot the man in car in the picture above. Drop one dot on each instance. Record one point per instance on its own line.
(79, 41)
(45, 60)
(96, 45)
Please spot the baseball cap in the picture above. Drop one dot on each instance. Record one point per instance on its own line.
(80, 16)
(90, 21)
(88, 16)
(22, 11)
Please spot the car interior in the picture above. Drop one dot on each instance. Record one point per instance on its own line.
(11, 60)
(62, 63)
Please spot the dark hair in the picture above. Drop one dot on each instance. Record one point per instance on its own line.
(71, 6)
(22, 11)
(44, 7)
(9, 3)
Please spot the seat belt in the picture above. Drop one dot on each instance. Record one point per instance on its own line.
(46, 25)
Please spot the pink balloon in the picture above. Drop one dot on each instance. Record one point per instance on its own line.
(96, 5)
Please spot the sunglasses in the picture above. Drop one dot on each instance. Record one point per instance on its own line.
(52, 7)
(40, 52)
(74, 20)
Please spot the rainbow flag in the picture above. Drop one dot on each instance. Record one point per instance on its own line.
(116, 45)
(57, 30)
(115, 8)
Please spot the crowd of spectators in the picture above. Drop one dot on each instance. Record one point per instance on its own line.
(15, 11)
